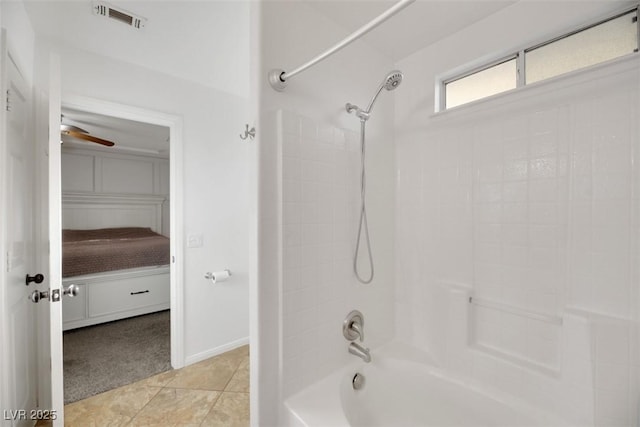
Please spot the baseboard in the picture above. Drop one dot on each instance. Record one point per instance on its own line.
(189, 360)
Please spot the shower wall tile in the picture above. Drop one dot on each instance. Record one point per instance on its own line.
(320, 202)
(534, 207)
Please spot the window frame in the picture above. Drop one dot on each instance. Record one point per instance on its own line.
(477, 70)
(520, 57)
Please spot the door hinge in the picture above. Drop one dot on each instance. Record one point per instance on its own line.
(9, 256)
(8, 105)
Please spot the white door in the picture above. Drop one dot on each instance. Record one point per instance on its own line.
(30, 237)
(49, 244)
(18, 313)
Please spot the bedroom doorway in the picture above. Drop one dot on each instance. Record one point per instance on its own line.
(121, 227)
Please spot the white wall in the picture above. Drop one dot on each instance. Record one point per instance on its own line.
(21, 37)
(309, 197)
(527, 203)
(205, 42)
(215, 180)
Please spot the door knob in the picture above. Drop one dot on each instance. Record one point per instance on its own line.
(38, 278)
(71, 290)
(36, 296)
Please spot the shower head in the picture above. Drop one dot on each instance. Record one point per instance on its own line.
(390, 82)
(393, 80)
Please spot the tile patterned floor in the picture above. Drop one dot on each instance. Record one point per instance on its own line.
(214, 392)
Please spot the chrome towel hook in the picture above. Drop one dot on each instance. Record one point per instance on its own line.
(248, 133)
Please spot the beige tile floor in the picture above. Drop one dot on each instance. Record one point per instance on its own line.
(214, 392)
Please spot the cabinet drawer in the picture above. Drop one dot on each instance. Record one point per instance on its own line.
(128, 294)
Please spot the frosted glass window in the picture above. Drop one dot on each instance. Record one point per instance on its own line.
(603, 41)
(487, 82)
(608, 40)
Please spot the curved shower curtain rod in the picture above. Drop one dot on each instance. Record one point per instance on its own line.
(278, 78)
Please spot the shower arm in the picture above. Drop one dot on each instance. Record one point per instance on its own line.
(278, 78)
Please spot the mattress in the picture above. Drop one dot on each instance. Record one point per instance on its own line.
(110, 249)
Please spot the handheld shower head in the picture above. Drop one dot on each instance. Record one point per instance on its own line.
(390, 82)
(393, 80)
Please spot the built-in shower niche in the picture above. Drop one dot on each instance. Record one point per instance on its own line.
(531, 339)
(582, 365)
(545, 361)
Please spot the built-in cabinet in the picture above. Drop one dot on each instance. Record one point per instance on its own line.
(105, 297)
(102, 189)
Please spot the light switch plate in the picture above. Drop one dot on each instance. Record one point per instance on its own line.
(195, 240)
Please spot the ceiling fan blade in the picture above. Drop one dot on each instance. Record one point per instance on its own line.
(89, 138)
(65, 128)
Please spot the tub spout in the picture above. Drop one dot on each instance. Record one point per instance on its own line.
(359, 350)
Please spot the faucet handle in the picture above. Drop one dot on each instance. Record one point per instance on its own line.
(353, 326)
(357, 327)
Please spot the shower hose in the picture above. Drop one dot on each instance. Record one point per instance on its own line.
(363, 215)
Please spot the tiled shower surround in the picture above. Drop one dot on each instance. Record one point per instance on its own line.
(318, 178)
(517, 244)
(320, 205)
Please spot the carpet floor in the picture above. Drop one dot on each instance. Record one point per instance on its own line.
(102, 357)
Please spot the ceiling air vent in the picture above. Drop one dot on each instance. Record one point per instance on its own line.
(118, 14)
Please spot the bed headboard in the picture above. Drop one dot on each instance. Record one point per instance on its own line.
(88, 211)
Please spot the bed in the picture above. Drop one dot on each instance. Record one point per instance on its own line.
(109, 249)
(113, 251)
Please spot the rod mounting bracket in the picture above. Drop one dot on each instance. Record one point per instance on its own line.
(276, 81)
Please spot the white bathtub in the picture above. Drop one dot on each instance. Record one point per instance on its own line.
(405, 392)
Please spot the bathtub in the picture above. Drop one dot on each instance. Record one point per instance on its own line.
(405, 391)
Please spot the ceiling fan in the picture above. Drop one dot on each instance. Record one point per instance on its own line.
(78, 132)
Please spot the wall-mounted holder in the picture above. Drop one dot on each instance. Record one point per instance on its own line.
(218, 276)
(248, 133)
